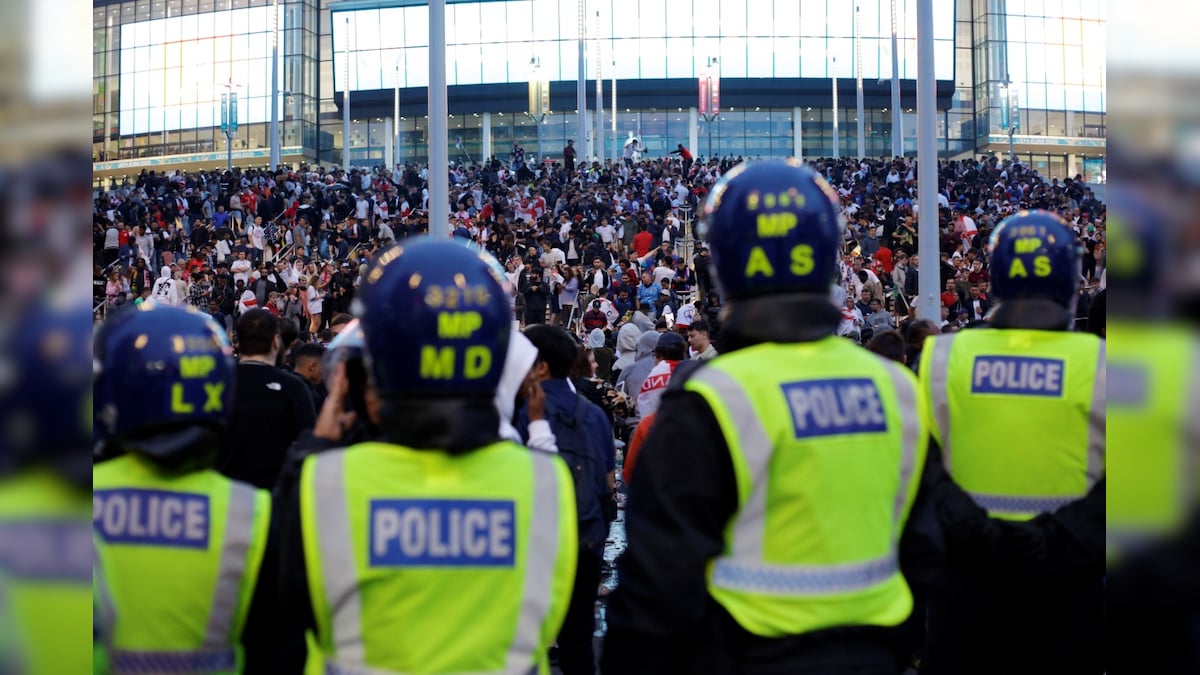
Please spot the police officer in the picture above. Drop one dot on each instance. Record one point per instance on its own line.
(1153, 385)
(773, 493)
(178, 546)
(439, 548)
(1019, 413)
(45, 489)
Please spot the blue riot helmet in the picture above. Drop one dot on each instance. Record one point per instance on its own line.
(436, 321)
(45, 390)
(1139, 257)
(164, 383)
(349, 349)
(1035, 256)
(773, 227)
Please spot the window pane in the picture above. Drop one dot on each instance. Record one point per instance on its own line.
(679, 18)
(787, 56)
(733, 57)
(680, 62)
(733, 17)
(760, 60)
(651, 18)
(653, 58)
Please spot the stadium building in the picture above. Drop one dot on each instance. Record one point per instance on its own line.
(1027, 71)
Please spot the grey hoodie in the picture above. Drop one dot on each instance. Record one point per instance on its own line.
(627, 339)
(634, 375)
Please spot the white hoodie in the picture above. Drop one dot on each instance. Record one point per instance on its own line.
(165, 288)
(517, 362)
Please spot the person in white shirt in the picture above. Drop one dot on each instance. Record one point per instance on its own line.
(240, 268)
(223, 250)
(852, 320)
(362, 208)
(606, 232)
(166, 291)
(258, 235)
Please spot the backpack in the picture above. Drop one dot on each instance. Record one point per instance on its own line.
(593, 503)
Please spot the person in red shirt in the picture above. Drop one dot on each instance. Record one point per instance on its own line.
(950, 295)
(883, 257)
(642, 241)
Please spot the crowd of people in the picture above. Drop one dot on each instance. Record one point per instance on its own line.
(616, 239)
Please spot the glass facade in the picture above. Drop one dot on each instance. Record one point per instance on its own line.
(749, 133)
(650, 39)
(160, 67)
(1046, 58)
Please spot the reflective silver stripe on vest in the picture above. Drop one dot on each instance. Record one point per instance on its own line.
(1098, 421)
(939, 379)
(541, 554)
(757, 449)
(337, 669)
(341, 582)
(239, 535)
(1019, 505)
(906, 399)
(744, 569)
(104, 614)
(1189, 463)
(803, 579)
(199, 661)
(338, 569)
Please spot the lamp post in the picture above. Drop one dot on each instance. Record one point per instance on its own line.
(928, 301)
(897, 120)
(396, 116)
(346, 103)
(539, 99)
(710, 98)
(275, 146)
(860, 113)
(616, 151)
(439, 124)
(837, 139)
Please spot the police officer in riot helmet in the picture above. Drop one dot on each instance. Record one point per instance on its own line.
(174, 538)
(45, 488)
(738, 563)
(1019, 413)
(437, 547)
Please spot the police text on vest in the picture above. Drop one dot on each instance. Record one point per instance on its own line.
(151, 517)
(835, 407)
(442, 533)
(1019, 375)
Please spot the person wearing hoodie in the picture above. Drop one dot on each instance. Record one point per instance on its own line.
(627, 338)
(669, 350)
(603, 354)
(514, 380)
(166, 289)
(635, 374)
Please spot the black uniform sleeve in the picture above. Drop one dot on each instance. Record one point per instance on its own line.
(682, 496)
(272, 643)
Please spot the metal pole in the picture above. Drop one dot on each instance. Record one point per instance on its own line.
(1012, 151)
(861, 115)
(439, 111)
(616, 150)
(897, 120)
(598, 141)
(581, 80)
(346, 103)
(229, 151)
(837, 140)
(396, 118)
(275, 149)
(928, 305)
